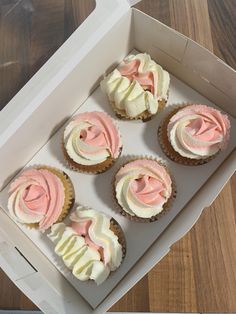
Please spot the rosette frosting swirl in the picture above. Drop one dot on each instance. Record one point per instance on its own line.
(88, 246)
(91, 137)
(198, 131)
(36, 196)
(137, 85)
(142, 188)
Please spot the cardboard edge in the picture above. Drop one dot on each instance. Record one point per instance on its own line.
(198, 68)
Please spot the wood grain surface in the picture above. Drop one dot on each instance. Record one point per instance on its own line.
(199, 273)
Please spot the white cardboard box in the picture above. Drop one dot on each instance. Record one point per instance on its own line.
(54, 93)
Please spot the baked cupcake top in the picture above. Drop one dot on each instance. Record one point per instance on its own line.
(36, 196)
(142, 188)
(88, 246)
(92, 137)
(137, 85)
(198, 131)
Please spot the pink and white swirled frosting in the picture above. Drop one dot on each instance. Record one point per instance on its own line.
(36, 196)
(198, 131)
(91, 137)
(142, 187)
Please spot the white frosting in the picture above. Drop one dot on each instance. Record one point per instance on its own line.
(56, 233)
(130, 96)
(85, 261)
(82, 260)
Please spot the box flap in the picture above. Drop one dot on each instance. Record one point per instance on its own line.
(12, 261)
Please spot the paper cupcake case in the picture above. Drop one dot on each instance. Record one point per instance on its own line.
(144, 117)
(116, 228)
(166, 207)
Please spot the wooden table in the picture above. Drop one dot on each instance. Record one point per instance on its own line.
(199, 274)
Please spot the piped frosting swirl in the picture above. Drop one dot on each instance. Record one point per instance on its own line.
(198, 131)
(36, 196)
(88, 246)
(143, 187)
(92, 137)
(137, 85)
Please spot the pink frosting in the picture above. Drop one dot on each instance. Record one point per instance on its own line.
(93, 136)
(41, 197)
(210, 125)
(102, 133)
(81, 228)
(151, 185)
(148, 190)
(131, 71)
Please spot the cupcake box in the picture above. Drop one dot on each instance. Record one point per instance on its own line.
(31, 129)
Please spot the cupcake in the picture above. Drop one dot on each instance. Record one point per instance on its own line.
(143, 189)
(91, 142)
(138, 88)
(194, 134)
(40, 197)
(91, 246)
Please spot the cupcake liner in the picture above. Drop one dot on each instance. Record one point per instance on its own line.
(92, 169)
(144, 116)
(69, 194)
(116, 228)
(166, 206)
(167, 147)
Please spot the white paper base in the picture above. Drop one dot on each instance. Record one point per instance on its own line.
(95, 190)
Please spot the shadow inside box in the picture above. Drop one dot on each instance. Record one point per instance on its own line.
(56, 142)
(100, 99)
(103, 184)
(150, 134)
